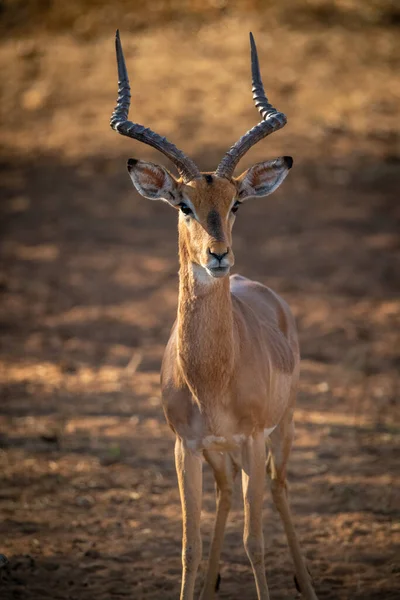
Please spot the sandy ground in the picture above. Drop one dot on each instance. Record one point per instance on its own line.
(88, 497)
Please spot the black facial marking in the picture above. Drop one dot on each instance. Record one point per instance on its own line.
(214, 224)
(208, 178)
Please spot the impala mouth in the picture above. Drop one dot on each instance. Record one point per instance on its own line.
(218, 272)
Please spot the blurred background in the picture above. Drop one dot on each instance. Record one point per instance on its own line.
(88, 497)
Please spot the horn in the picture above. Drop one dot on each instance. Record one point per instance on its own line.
(272, 121)
(119, 122)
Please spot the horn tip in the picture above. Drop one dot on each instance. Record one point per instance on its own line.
(288, 161)
(131, 163)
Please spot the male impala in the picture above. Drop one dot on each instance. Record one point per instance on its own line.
(231, 367)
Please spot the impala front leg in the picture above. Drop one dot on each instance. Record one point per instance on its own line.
(253, 483)
(189, 470)
(224, 472)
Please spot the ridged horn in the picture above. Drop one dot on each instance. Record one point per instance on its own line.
(272, 121)
(119, 122)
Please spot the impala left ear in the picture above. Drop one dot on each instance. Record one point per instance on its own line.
(263, 178)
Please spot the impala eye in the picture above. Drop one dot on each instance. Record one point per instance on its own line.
(236, 206)
(185, 209)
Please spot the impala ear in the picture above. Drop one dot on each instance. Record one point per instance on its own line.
(263, 178)
(154, 182)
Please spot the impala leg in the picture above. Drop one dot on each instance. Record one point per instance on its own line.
(253, 480)
(276, 467)
(224, 473)
(189, 470)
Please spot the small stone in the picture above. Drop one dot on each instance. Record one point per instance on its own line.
(323, 387)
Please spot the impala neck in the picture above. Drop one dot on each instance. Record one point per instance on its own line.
(205, 329)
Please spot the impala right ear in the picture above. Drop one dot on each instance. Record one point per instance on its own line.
(154, 182)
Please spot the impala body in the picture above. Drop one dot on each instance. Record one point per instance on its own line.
(233, 339)
(231, 367)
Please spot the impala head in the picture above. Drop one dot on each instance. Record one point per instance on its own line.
(207, 202)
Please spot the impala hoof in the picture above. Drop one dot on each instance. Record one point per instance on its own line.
(218, 582)
(296, 582)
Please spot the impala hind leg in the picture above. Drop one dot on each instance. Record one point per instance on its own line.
(189, 470)
(281, 441)
(224, 472)
(253, 482)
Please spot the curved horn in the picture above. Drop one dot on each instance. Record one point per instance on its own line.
(119, 121)
(272, 121)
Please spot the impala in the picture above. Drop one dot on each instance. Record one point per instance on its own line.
(231, 366)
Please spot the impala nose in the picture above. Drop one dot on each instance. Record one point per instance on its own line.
(219, 256)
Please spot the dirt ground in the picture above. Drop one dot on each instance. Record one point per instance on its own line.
(89, 503)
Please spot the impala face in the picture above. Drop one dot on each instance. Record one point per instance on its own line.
(207, 206)
(207, 213)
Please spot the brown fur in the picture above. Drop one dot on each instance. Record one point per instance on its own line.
(232, 341)
(230, 371)
(229, 374)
